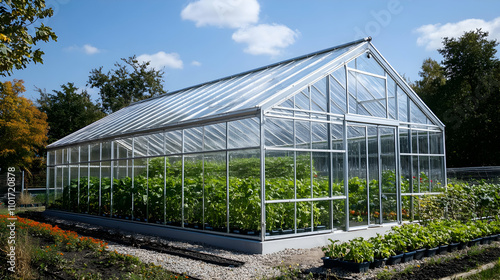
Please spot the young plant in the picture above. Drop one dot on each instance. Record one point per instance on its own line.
(381, 248)
(336, 249)
(360, 251)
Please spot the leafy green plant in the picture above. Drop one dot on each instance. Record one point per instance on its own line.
(360, 250)
(336, 249)
(381, 248)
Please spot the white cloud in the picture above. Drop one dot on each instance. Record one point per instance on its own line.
(162, 59)
(222, 13)
(89, 49)
(195, 63)
(431, 35)
(265, 39)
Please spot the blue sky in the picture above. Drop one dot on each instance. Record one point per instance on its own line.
(195, 41)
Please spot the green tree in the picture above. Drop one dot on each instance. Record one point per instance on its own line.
(16, 42)
(68, 110)
(128, 83)
(23, 128)
(464, 92)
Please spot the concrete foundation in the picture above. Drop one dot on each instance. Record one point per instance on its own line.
(221, 241)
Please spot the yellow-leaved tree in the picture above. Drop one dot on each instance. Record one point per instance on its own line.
(23, 128)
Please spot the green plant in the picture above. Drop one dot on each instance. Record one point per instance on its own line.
(360, 250)
(381, 248)
(336, 249)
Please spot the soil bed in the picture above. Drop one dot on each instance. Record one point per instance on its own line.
(130, 240)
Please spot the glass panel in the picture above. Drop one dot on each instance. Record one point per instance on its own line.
(94, 186)
(357, 176)
(123, 148)
(321, 174)
(215, 137)
(156, 183)
(73, 188)
(106, 188)
(280, 175)
(404, 141)
(155, 144)
(424, 174)
(303, 134)
(58, 189)
(140, 189)
(436, 142)
(319, 135)
(437, 176)
(173, 197)
(414, 141)
(406, 176)
(51, 159)
(403, 105)
(244, 133)
(409, 208)
(95, 151)
(279, 132)
(303, 161)
(338, 210)
(280, 218)
(106, 150)
(388, 168)
(193, 139)
(84, 188)
(84, 153)
(364, 63)
(173, 142)
(337, 133)
(321, 215)
(141, 146)
(304, 216)
(337, 91)
(391, 93)
(122, 189)
(417, 116)
(193, 191)
(244, 191)
(373, 177)
(302, 100)
(65, 186)
(65, 156)
(318, 95)
(338, 174)
(215, 198)
(423, 142)
(74, 154)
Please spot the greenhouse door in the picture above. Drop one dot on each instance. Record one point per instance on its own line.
(372, 170)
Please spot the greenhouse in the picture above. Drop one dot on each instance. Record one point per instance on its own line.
(330, 141)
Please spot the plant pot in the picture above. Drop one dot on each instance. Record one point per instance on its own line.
(355, 267)
(330, 263)
(300, 230)
(320, 228)
(378, 263)
(287, 231)
(462, 245)
(419, 254)
(495, 237)
(275, 232)
(394, 259)
(443, 249)
(408, 257)
(453, 247)
(475, 242)
(431, 252)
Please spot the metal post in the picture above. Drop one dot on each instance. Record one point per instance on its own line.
(227, 178)
(346, 177)
(262, 179)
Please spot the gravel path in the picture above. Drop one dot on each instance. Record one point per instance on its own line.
(256, 266)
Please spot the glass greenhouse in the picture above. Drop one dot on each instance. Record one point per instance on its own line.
(333, 140)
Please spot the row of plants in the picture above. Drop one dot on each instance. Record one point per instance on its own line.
(408, 242)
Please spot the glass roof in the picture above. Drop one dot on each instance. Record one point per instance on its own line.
(246, 94)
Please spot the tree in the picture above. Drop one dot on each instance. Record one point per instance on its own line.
(120, 87)
(16, 42)
(23, 128)
(67, 110)
(464, 92)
